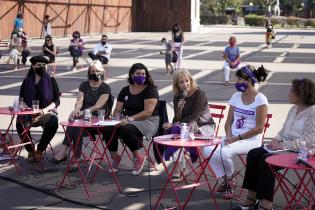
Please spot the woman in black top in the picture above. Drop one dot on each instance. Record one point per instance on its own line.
(94, 94)
(178, 40)
(76, 47)
(137, 107)
(38, 85)
(49, 49)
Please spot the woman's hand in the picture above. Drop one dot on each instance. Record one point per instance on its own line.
(77, 113)
(275, 145)
(230, 140)
(167, 125)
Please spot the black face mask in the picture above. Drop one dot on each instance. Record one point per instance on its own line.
(96, 77)
(103, 43)
(176, 29)
(39, 71)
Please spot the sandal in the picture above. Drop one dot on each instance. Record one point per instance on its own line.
(254, 205)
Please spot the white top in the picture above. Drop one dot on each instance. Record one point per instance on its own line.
(298, 126)
(245, 115)
(106, 47)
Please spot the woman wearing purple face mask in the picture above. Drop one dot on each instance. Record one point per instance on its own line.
(231, 56)
(243, 127)
(137, 107)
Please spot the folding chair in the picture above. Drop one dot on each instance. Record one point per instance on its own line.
(162, 111)
(217, 114)
(241, 156)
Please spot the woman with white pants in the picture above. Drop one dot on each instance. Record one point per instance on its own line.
(178, 40)
(243, 127)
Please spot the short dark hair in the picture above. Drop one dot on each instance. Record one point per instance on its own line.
(134, 68)
(76, 32)
(260, 74)
(104, 35)
(305, 89)
(48, 37)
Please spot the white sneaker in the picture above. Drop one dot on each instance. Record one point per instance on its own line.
(138, 163)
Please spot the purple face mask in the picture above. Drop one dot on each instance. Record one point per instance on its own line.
(241, 87)
(139, 79)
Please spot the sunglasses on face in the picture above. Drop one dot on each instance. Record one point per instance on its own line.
(48, 40)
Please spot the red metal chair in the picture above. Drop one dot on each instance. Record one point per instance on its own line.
(243, 159)
(217, 114)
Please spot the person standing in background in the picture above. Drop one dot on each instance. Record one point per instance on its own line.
(168, 51)
(46, 26)
(269, 33)
(18, 23)
(178, 40)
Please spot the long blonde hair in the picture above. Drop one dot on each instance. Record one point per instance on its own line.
(180, 73)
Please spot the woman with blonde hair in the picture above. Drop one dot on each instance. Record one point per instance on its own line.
(190, 106)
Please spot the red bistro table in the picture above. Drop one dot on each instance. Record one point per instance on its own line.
(7, 136)
(174, 140)
(99, 149)
(293, 195)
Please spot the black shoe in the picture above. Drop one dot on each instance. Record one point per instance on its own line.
(55, 161)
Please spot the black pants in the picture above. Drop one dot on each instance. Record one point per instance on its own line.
(101, 58)
(49, 124)
(25, 54)
(73, 133)
(258, 175)
(129, 134)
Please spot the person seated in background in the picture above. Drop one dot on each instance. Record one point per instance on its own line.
(38, 85)
(231, 56)
(25, 51)
(299, 126)
(15, 47)
(137, 107)
(93, 95)
(190, 106)
(243, 128)
(101, 51)
(49, 49)
(168, 51)
(76, 48)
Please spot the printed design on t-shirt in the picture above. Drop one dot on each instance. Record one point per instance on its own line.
(241, 119)
(243, 111)
(126, 98)
(240, 123)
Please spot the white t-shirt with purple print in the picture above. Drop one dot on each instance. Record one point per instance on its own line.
(245, 115)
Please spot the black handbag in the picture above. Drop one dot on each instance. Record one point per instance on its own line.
(174, 57)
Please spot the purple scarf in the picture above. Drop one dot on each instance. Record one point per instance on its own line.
(44, 86)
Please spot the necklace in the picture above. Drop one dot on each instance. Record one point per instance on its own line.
(248, 99)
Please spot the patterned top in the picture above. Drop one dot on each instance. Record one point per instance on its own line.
(91, 95)
(297, 127)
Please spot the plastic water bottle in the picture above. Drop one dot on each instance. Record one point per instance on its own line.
(184, 132)
(87, 115)
(303, 151)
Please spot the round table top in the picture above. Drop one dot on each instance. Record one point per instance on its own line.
(7, 111)
(84, 124)
(287, 160)
(174, 140)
